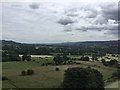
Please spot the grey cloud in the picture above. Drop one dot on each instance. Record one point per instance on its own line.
(92, 14)
(100, 20)
(72, 14)
(110, 11)
(113, 27)
(34, 6)
(82, 29)
(91, 27)
(65, 21)
(112, 30)
(16, 5)
(67, 30)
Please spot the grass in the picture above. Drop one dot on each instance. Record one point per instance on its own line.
(45, 76)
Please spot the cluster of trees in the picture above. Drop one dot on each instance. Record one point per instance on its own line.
(26, 57)
(110, 63)
(85, 78)
(4, 78)
(10, 56)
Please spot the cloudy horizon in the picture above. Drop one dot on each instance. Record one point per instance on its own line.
(55, 22)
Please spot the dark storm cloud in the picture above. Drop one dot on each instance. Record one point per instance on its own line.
(34, 6)
(65, 21)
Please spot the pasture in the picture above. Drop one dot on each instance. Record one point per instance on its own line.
(45, 76)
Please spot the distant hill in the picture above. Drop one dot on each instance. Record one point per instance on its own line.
(5, 42)
(73, 47)
(86, 43)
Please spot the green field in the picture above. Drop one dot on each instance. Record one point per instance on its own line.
(45, 76)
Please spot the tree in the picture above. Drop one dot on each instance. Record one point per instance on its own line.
(83, 78)
(94, 57)
(26, 57)
(59, 59)
(84, 58)
(113, 62)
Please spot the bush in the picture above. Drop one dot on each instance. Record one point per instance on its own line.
(113, 55)
(116, 74)
(84, 58)
(83, 78)
(30, 72)
(43, 64)
(57, 69)
(23, 73)
(27, 72)
(4, 78)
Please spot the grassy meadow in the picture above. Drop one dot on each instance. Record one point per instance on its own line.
(45, 76)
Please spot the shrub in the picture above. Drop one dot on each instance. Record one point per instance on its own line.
(33, 60)
(57, 69)
(4, 78)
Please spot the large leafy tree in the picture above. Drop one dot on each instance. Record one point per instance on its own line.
(83, 78)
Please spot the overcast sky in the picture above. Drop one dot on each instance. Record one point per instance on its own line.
(56, 21)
